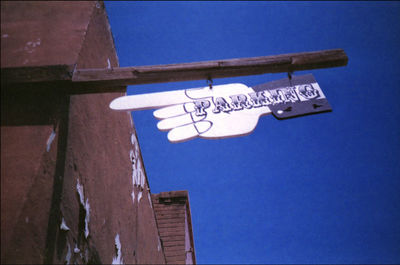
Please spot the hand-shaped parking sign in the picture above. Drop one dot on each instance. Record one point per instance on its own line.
(226, 110)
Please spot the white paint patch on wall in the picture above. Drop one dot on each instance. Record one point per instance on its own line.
(118, 259)
(134, 141)
(159, 244)
(87, 217)
(139, 174)
(149, 197)
(130, 118)
(133, 197)
(50, 140)
(140, 196)
(85, 205)
(31, 45)
(63, 225)
(138, 178)
(76, 249)
(132, 157)
(142, 179)
(79, 188)
(68, 256)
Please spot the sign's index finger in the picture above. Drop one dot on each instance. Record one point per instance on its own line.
(149, 101)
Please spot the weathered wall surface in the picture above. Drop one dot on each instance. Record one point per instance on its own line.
(81, 196)
(30, 117)
(42, 33)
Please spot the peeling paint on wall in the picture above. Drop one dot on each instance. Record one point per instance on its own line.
(139, 174)
(87, 218)
(76, 249)
(133, 161)
(133, 196)
(68, 256)
(148, 196)
(50, 140)
(140, 196)
(118, 258)
(129, 115)
(138, 177)
(133, 139)
(159, 244)
(79, 188)
(85, 205)
(132, 156)
(63, 225)
(31, 45)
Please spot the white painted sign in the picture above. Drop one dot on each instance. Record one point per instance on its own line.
(218, 112)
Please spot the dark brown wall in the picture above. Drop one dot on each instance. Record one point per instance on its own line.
(91, 150)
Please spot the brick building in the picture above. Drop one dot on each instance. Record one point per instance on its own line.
(73, 184)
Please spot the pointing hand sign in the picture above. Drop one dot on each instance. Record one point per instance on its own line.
(200, 112)
(226, 110)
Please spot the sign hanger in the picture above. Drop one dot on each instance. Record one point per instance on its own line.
(229, 110)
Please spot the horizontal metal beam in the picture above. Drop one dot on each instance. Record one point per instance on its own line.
(95, 80)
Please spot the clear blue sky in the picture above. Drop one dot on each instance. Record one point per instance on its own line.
(323, 188)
